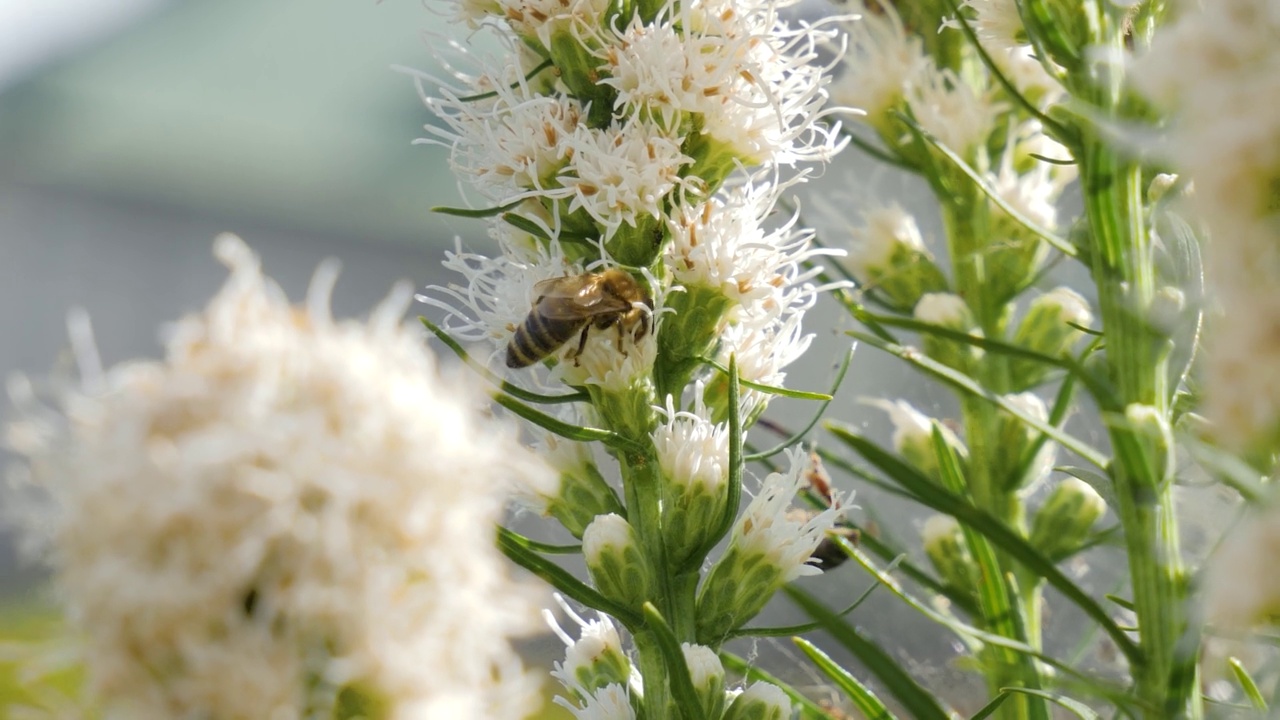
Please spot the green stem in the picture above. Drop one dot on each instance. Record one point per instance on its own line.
(642, 483)
(964, 216)
(1124, 273)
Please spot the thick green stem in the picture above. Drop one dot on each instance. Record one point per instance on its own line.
(1125, 275)
(1123, 270)
(1000, 601)
(642, 483)
(674, 594)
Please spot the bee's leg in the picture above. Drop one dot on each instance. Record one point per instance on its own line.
(622, 333)
(643, 328)
(582, 345)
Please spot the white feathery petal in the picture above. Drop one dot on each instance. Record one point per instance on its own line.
(611, 702)
(767, 527)
(692, 449)
(621, 174)
(996, 22)
(884, 229)
(881, 64)
(946, 107)
(723, 244)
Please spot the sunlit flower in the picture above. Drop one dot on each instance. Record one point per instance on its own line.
(951, 110)
(882, 63)
(766, 528)
(272, 516)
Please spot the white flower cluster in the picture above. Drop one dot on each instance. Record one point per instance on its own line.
(655, 143)
(1219, 69)
(285, 514)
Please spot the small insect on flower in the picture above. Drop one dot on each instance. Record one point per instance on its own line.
(829, 554)
(565, 305)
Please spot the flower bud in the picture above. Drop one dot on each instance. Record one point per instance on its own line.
(1160, 186)
(761, 701)
(583, 493)
(890, 259)
(1166, 309)
(707, 674)
(1047, 329)
(1153, 430)
(1016, 439)
(594, 661)
(913, 436)
(693, 454)
(947, 551)
(615, 562)
(689, 325)
(769, 547)
(1062, 523)
(951, 312)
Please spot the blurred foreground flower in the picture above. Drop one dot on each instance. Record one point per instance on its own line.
(1212, 67)
(288, 517)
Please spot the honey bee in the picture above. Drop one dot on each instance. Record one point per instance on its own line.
(567, 305)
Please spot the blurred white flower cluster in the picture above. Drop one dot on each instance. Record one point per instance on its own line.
(287, 517)
(1218, 69)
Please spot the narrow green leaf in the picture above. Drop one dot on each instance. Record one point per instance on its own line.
(990, 707)
(780, 631)
(736, 465)
(1126, 604)
(739, 665)
(967, 384)
(1081, 710)
(798, 436)
(887, 157)
(474, 212)
(514, 547)
(919, 702)
(993, 596)
(524, 224)
(770, 389)
(1099, 482)
(1247, 684)
(1052, 126)
(1061, 244)
(506, 387)
(493, 93)
(559, 427)
(677, 669)
(978, 341)
(944, 501)
(1052, 161)
(865, 700)
(974, 637)
(1057, 418)
(549, 549)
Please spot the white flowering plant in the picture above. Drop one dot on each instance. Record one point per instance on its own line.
(999, 106)
(269, 522)
(629, 157)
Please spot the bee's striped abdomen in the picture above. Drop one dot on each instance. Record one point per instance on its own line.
(538, 337)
